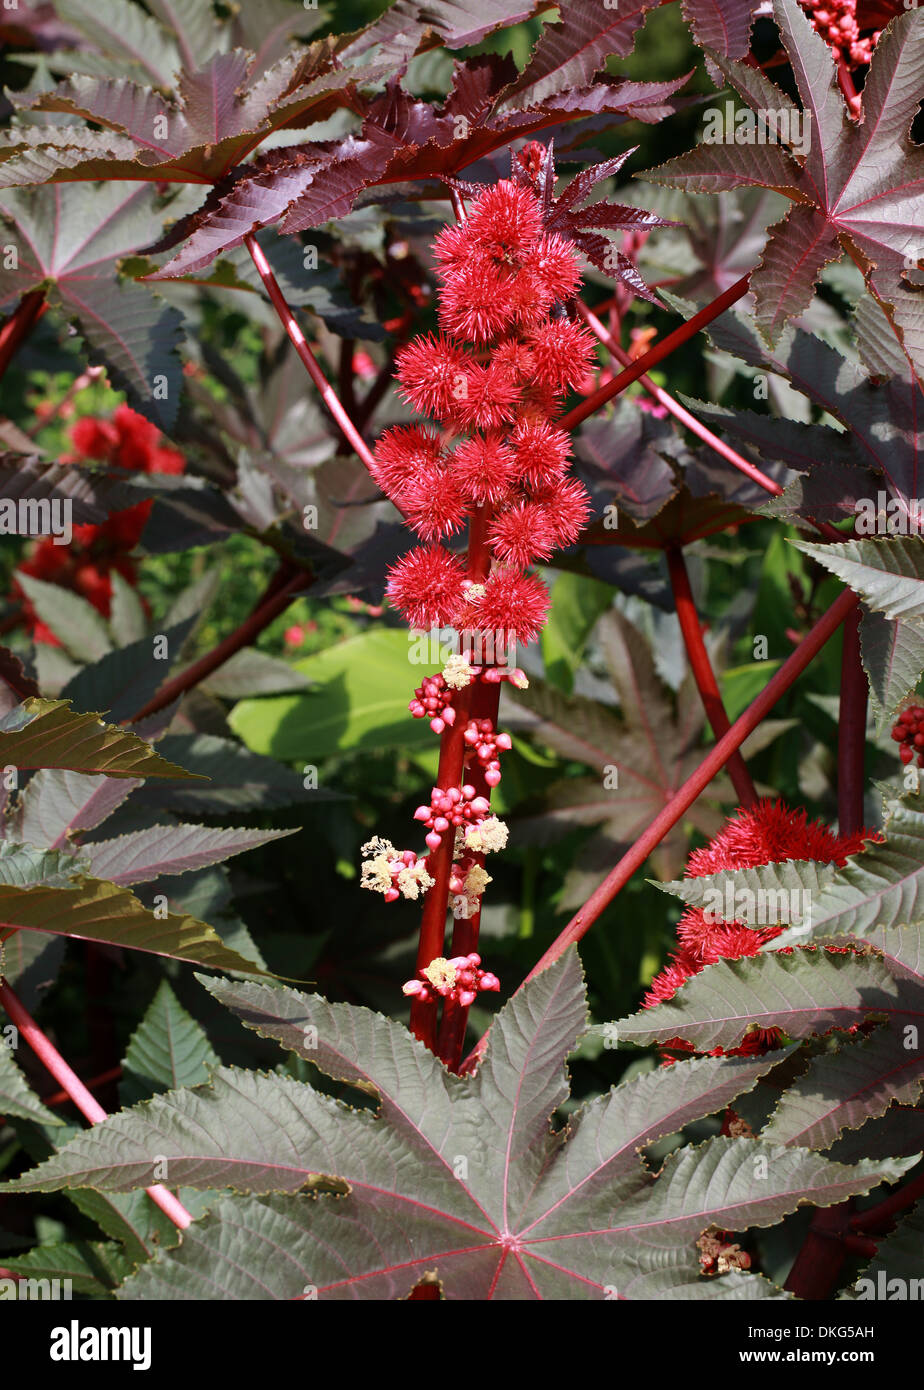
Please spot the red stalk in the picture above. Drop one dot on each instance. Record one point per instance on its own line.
(703, 673)
(715, 760)
(676, 409)
(485, 702)
(19, 325)
(270, 607)
(88, 1106)
(883, 1215)
(297, 339)
(449, 774)
(654, 355)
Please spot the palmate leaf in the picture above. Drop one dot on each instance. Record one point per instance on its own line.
(168, 1049)
(887, 572)
(865, 1080)
(722, 25)
(860, 184)
(91, 1268)
(56, 804)
(143, 855)
(844, 1089)
(458, 1175)
(643, 755)
(92, 494)
(49, 734)
(806, 993)
(401, 139)
(17, 1100)
(222, 107)
(71, 244)
(93, 910)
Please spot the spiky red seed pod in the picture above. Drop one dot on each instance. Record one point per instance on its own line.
(553, 264)
(477, 303)
(483, 467)
(516, 360)
(433, 503)
(401, 454)
(768, 834)
(511, 603)
(432, 372)
(505, 220)
(563, 352)
(522, 533)
(566, 508)
(427, 586)
(541, 452)
(484, 397)
(452, 248)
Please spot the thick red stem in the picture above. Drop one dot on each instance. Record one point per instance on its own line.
(87, 1104)
(703, 674)
(465, 931)
(423, 1019)
(654, 355)
(883, 1215)
(715, 760)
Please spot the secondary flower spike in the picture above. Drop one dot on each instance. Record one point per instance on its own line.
(769, 833)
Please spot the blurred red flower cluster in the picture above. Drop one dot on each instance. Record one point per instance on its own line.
(85, 565)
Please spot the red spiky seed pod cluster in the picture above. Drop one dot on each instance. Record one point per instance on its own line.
(770, 833)
(908, 733)
(494, 377)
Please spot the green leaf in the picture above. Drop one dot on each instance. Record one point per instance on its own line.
(168, 1049)
(893, 659)
(98, 911)
(802, 994)
(577, 603)
(17, 1100)
(844, 1089)
(126, 678)
(143, 855)
(887, 573)
(55, 804)
(363, 688)
(127, 620)
(252, 672)
(882, 887)
(48, 733)
(461, 1175)
(75, 622)
(86, 1268)
(234, 778)
(23, 865)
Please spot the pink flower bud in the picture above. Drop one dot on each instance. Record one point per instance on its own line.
(437, 725)
(504, 741)
(492, 776)
(466, 997)
(489, 981)
(422, 813)
(433, 840)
